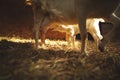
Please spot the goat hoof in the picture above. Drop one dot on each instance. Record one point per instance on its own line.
(81, 58)
(83, 55)
(101, 47)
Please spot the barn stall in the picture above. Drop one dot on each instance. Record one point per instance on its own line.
(19, 60)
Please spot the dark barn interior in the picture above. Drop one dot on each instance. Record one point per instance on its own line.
(16, 19)
(21, 61)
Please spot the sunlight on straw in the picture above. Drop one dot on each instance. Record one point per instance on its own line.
(50, 44)
(55, 42)
(18, 40)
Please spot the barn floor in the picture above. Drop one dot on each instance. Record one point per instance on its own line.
(20, 61)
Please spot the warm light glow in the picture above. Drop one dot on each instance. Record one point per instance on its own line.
(18, 40)
(58, 44)
(50, 44)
